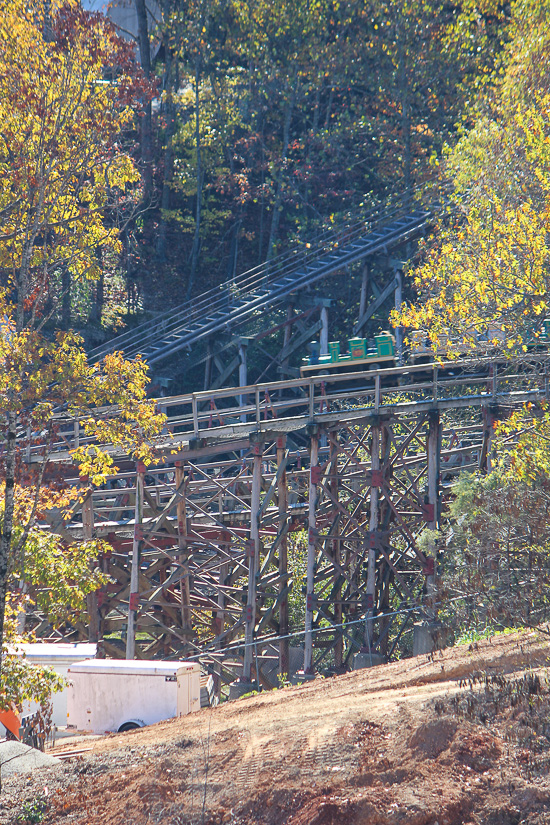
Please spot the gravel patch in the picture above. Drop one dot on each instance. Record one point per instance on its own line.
(18, 758)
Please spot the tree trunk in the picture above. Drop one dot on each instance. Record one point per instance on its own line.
(198, 208)
(275, 219)
(405, 118)
(146, 126)
(168, 155)
(7, 521)
(99, 297)
(66, 300)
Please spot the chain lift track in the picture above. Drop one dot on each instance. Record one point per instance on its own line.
(231, 305)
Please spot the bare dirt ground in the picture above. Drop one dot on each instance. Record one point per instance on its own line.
(463, 737)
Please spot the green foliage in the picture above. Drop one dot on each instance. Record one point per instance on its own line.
(488, 273)
(283, 681)
(60, 576)
(297, 110)
(297, 565)
(523, 440)
(33, 811)
(20, 681)
(496, 565)
(476, 634)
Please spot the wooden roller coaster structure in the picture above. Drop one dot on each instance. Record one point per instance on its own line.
(356, 469)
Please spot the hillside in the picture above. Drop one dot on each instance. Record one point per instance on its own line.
(462, 737)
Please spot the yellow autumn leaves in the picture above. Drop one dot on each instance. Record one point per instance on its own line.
(65, 179)
(489, 271)
(58, 166)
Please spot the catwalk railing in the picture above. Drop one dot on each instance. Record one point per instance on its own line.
(288, 405)
(203, 546)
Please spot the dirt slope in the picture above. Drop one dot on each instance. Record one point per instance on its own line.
(462, 738)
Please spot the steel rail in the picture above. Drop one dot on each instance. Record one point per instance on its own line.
(269, 282)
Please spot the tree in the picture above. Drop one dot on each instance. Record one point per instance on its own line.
(277, 117)
(65, 183)
(488, 270)
(486, 273)
(21, 680)
(496, 565)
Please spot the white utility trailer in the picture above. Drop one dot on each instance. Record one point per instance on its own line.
(58, 656)
(106, 695)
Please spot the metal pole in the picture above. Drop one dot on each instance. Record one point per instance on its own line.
(398, 303)
(311, 548)
(253, 563)
(282, 496)
(136, 553)
(324, 331)
(373, 527)
(243, 374)
(364, 291)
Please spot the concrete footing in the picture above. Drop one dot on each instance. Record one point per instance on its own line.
(430, 636)
(296, 660)
(239, 688)
(362, 660)
(299, 677)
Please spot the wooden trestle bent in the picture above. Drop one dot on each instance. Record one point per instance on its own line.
(245, 533)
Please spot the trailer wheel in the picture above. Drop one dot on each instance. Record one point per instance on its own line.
(129, 726)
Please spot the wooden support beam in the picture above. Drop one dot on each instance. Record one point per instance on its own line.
(282, 500)
(373, 527)
(433, 449)
(375, 306)
(311, 553)
(220, 380)
(370, 480)
(243, 372)
(398, 303)
(287, 334)
(220, 622)
(299, 341)
(336, 552)
(91, 599)
(181, 514)
(208, 365)
(253, 552)
(487, 444)
(323, 339)
(133, 604)
(364, 290)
